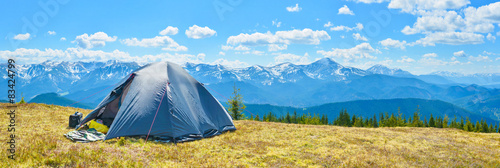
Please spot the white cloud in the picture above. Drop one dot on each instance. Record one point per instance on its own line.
(292, 58)
(295, 8)
(489, 53)
(459, 54)
(256, 52)
(329, 24)
(358, 37)
(169, 31)
(35, 56)
(405, 59)
(490, 12)
(222, 53)
(159, 41)
(51, 32)
(230, 64)
(98, 39)
(241, 48)
(305, 36)
(360, 51)
(276, 47)
(393, 43)
(197, 32)
(432, 61)
(358, 27)
(491, 37)
(480, 58)
(430, 55)
(453, 38)
(22, 36)
(436, 21)
(345, 11)
(238, 48)
(63, 39)
(370, 1)
(412, 6)
(276, 23)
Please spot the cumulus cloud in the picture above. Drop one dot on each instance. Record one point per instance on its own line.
(305, 36)
(277, 47)
(449, 27)
(405, 59)
(358, 27)
(459, 54)
(480, 58)
(453, 38)
(159, 41)
(490, 12)
(360, 51)
(169, 31)
(51, 32)
(295, 8)
(197, 32)
(292, 58)
(237, 48)
(63, 39)
(329, 24)
(345, 11)
(222, 53)
(393, 43)
(491, 37)
(230, 64)
(436, 21)
(276, 23)
(436, 62)
(430, 55)
(359, 37)
(369, 1)
(22, 36)
(412, 6)
(449, 21)
(98, 39)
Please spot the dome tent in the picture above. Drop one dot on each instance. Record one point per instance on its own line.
(161, 101)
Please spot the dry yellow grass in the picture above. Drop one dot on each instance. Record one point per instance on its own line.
(41, 143)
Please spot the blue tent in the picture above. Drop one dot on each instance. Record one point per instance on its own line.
(163, 102)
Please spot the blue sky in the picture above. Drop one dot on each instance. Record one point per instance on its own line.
(421, 36)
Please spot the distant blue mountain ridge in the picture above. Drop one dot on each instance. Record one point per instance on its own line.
(321, 82)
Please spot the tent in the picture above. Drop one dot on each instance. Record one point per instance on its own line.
(161, 101)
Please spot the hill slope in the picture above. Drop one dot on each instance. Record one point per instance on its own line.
(368, 108)
(54, 98)
(41, 143)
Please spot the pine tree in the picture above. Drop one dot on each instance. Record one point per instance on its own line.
(358, 122)
(375, 123)
(257, 118)
(477, 127)
(445, 121)
(462, 124)
(432, 123)
(288, 118)
(416, 118)
(236, 105)
(468, 125)
(425, 122)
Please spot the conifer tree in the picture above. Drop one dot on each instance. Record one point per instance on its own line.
(236, 105)
(432, 123)
(375, 123)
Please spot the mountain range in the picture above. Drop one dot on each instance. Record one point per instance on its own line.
(285, 84)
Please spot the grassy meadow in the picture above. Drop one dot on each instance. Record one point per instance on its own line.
(40, 143)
